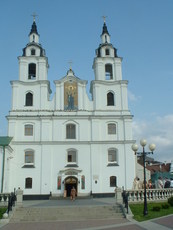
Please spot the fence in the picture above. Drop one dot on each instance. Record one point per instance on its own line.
(7, 200)
(152, 195)
(137, 196)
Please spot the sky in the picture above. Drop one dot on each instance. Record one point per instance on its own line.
(141, 30)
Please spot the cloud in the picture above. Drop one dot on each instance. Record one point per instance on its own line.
(131, 96)
(158, 131)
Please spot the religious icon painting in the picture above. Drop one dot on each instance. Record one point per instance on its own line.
(70, 95)
(83, 182)
(59, 183)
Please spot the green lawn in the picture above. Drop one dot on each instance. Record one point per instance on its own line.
(137, 210)
(2, 211)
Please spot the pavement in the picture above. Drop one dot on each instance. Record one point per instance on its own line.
(163, 223)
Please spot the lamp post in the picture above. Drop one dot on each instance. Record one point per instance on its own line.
(152, 147)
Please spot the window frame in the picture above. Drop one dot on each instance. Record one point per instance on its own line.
(28, 130)
(110, 99)
(110, 129)
(33, 52)
(73, 154)
(30, 153)
(108, 71)
(28, 183)
(70, 131)
(114, 156)
(32, 67)
(113, 181)
(107, 52)
(29, 99)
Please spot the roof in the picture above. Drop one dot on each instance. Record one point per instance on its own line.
(105, 30)
(34, 28)
(159, 167)
(5, 141)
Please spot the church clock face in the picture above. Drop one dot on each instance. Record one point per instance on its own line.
(70, 95)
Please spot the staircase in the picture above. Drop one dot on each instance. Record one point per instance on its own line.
(66, 213)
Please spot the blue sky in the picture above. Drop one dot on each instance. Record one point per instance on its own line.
(141, 30)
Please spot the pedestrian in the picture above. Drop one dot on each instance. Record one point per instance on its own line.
(135, 187)
(73, 193)
(160, 183)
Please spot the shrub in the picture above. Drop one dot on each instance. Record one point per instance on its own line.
(165, 206)
(170, 200)
(156, 208)
(2, 211)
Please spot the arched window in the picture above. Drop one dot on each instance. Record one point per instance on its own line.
(112, 156)
(29, 157)
(111, 128)
(28, 182)
(113, 181)
(29, 99)
(107, 52)
(108, 72)
(71, 156)
(32, 71)
(105, 38)
(32, 51)
(28, 130)
(110, 99)
(70, 131)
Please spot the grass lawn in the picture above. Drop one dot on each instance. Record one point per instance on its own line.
(2, 211)
(137, 210)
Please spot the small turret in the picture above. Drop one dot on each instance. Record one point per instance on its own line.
(33, 35)
(105, 34)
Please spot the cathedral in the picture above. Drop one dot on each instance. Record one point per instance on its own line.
(69, 140)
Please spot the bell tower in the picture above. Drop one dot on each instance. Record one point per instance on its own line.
(33, 64)
(32, 90)
(107, 65)
(109, 91)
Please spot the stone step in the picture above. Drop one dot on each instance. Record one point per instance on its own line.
(65, 213)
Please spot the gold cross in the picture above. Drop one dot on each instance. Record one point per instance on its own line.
(104, 18)
(34, 15)
(70, 64)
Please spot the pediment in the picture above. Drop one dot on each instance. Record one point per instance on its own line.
(70, 171)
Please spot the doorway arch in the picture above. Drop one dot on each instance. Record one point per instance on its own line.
(70, 182)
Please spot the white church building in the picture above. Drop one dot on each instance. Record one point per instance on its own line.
(69, 140)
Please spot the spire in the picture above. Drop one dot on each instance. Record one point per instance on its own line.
(105, 30)
(34, 26)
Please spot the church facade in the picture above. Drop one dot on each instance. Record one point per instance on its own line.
(70, 140)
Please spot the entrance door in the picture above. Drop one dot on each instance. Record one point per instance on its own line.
(70, 182)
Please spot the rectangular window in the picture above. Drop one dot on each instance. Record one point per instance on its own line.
(70, 131)
(28, 130)
(29, 157)
(107, 51)
(28, 182)
(113, 181)
(111, 156)
(111, 129)
(71, 156)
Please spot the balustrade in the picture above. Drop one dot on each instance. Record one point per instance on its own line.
(152, 194)
(4, 198)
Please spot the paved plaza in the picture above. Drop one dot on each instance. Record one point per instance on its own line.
(163, 223)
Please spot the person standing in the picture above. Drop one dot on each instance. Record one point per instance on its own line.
(73, 194)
